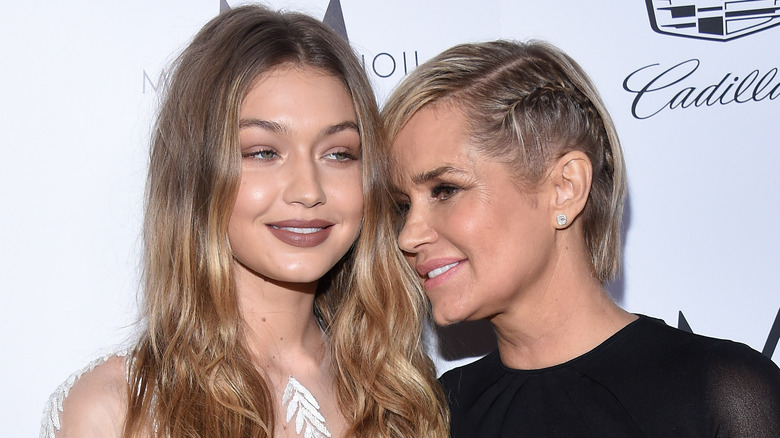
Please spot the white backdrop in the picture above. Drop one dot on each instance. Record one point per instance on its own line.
(79, 84)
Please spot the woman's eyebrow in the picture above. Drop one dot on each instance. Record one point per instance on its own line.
(426, 176)
(279, 128)
(343, 126)
(264, 124)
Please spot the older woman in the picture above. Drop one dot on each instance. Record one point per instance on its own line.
(511, 185)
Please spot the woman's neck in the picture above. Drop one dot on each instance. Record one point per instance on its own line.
(569, 315)
(290, 351)
(550, 337)
(279, 323)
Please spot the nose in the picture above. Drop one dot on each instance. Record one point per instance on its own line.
(304, 185)
(416, 232)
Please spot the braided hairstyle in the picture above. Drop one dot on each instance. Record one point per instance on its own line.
(528, 104)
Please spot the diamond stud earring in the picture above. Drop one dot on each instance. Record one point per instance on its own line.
(561, 219)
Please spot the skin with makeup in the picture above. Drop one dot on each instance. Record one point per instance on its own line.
(297, 212)
(263, 315)
(300, 201)
(510, 185)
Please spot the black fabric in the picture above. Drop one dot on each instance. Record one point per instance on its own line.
(647, 380)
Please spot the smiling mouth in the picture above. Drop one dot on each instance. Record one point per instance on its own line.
(300, 233)
(298, 230)
(438, 271)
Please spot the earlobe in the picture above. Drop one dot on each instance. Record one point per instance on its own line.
(572, 176)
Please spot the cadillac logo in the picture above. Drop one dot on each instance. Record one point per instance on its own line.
(719, 20)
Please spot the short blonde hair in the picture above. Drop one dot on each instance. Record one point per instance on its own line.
(527, 105)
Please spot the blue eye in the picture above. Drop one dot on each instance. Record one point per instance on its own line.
(262, 154)
(340, 156)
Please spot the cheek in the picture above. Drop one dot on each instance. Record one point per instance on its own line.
(347, 193)
(463, 223)
(409, 259)
(353, 212)
(255, 191)
(253, 199)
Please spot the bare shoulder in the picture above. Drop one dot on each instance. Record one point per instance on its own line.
(95, 404)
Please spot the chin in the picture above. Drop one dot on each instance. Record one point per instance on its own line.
(444, 317)
(300, 278)
(303, 271)
(445, 320)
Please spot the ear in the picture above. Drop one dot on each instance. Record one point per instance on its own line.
(571, 178)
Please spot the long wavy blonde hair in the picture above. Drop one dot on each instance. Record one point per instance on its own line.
(191, 373)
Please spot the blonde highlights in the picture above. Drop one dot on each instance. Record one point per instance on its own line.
(191, 372)
(527, 105)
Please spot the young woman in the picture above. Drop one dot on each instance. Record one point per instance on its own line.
(270, 310)
(511, 183)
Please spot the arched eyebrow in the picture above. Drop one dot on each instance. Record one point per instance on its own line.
(279, 128)
(264, 124)
(343, 126)
(422, 178)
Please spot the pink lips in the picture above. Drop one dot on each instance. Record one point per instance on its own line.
(424, 268)
(301, 233)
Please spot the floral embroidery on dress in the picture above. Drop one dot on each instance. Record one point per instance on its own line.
(306, 410)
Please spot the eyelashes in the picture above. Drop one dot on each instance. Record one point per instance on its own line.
(443, 192)
(262, 154)
(440, 192)
(339, 156)
(344, 155)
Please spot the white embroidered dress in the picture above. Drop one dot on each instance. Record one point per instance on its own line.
(50, 423)
(300, 403)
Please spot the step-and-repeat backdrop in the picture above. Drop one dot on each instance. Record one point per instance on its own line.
(693, 86)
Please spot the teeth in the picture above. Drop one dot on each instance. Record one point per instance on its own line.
(297, 230)
(438, 271)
